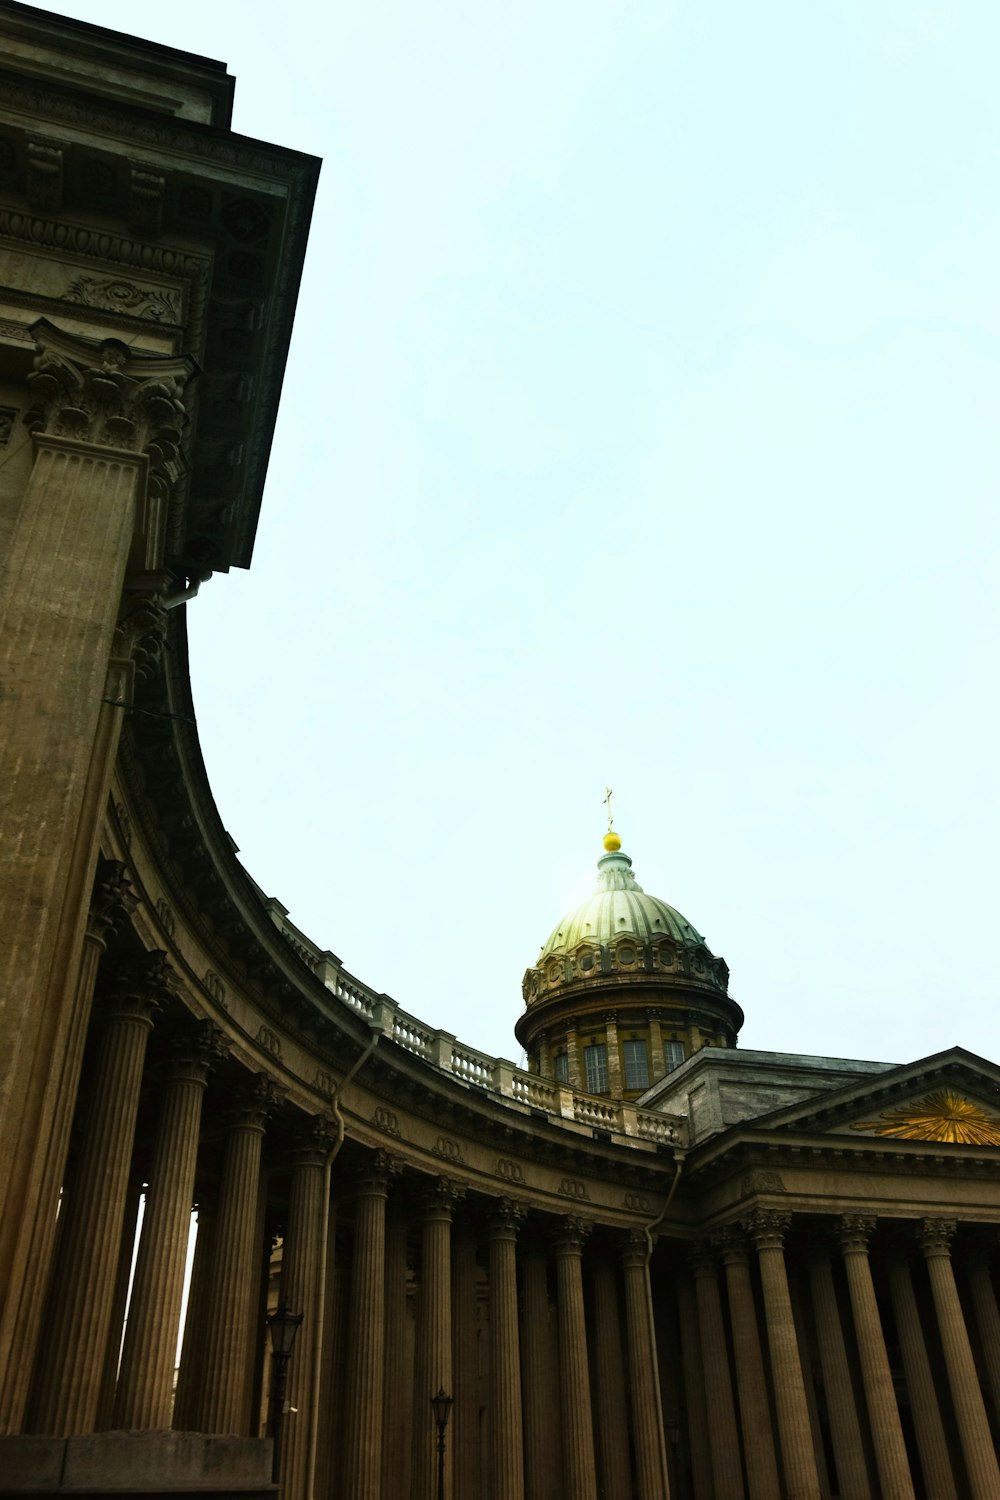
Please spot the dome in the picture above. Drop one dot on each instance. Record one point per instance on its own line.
(619, 907)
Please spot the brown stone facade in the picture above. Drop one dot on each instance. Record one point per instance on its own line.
(799, 1304)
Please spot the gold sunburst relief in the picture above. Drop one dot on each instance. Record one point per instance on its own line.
(941, 1116)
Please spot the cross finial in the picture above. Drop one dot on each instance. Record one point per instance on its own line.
(607, 803)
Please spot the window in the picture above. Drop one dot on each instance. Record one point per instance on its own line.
(636, 1065)
(673, 1053)
(596, 1061)
(562, 1067)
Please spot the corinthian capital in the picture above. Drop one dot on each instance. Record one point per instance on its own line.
(767, 1227)
(935, 1236)
(112, 901)
(854, 1232)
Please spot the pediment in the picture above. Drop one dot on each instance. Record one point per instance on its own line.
(950, 1098)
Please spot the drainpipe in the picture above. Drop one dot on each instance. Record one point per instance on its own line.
(334, 1105)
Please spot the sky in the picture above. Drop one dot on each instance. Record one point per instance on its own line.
(639, 430)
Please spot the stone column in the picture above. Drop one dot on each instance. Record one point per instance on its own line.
(932, 1445)
(966, 1394)
(79, 1312)
(695, 1404)
(187, 1401)
(579, 1471)
(397, 1379)
(652, 1481)
(465, 1356)
(94, 421)
(120, 1300)
(302, 1258)
(984, 1304)
(609, 1385)
(230, 1334)
(505, 1362)
(798, 1457)
(883, 1414)
(539, 1381)
(544, 1054)
(432, 1361)
(574, 1062)
(845, 1430)
(755, 1414)
(727, 1470)
(366, 1338)
(614, 1056)
(146, 1378)
(657, 1061)
(30, 1258)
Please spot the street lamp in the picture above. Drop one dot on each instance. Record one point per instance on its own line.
(442, 1411)
(282, 1325)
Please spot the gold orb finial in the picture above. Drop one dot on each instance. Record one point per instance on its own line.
(612, 842)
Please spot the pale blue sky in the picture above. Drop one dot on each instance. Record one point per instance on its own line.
(640, 427)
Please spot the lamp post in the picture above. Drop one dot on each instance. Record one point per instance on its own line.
(442, 1411)
(282, 1325)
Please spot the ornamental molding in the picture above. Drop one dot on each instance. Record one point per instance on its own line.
(116, 294)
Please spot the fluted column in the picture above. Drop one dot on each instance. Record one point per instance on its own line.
(798, 1457)
(229, 1334)
(79, 1311)
(695, 1404)
(465, 1363)
(883, 1413)
(397, 1378)
(984, 1304)
(727, 1470)
(845, 1429)
(755, 1415)
(120, 1300)
(579, 1471)
(146, 1378)
(652, 1480)
(187, 1401)
(301, 1273)
(112, 900)
(366, 1337)
(432, 1360)
(609, 1384)
(967, 1398)
(505, 1361)
(539, 1381)
(932, 1445)
(614, 1056)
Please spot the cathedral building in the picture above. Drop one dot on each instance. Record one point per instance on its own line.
(651, 1264)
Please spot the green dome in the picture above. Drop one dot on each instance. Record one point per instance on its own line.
(619, 907)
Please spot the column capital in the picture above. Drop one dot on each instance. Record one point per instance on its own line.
(312, 1140)
(440, 1199)
(854, 1232)
(506, 1218)
(112, 901)
(376, 1174)
(732, 1244)
(253, 1102)
(570, 1233)
(635, 1247)
(194, 1053)
(139, 989)
(767, 1227)
(935, 1236)
(703, 1257)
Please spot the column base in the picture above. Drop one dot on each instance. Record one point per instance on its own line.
(114, 1464)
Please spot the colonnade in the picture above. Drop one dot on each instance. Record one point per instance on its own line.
(839, 1357)
(780, 1354)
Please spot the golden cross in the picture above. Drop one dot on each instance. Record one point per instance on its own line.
(607, 801)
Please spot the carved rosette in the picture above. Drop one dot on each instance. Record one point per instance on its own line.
(767, 1228)
(570, 1234)
(935, 1237)
(113, 901)
(854, 1232)
(506, 1218)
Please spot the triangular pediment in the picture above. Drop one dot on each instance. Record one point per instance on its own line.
(951, 1098)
